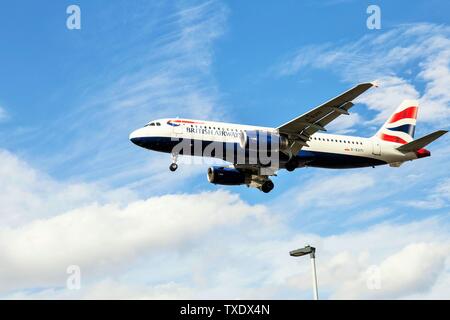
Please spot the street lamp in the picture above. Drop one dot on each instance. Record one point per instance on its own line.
(312, 253)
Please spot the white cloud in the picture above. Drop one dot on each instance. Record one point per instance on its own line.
(369, 215)
(410, 259)
(26, 193)
(46, 225)
(387, 97)
(174, 79)
(438, 197)
(415, 268)
(103, 237)
(343, 125)
(332, 191)
(111, 289)
(175, 246)
(321, 200)
(436, 74)
(166, 73)
(404, 58)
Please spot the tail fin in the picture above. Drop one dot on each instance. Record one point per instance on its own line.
(401, 125)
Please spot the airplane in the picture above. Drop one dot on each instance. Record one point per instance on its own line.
(295, 144)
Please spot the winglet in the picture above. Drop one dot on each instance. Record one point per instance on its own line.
(375, 83)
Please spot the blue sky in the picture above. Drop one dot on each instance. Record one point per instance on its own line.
(69, 99)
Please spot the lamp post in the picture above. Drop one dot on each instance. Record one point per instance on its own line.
(312, 254)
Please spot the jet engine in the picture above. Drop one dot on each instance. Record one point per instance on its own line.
(227, 176)
(258, 140)
(233, 177)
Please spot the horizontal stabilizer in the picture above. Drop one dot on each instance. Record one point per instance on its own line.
(421, 142)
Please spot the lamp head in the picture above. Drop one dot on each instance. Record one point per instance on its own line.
(303, 251)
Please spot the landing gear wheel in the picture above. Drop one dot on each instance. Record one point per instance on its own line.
(291, 165)
(267, 186)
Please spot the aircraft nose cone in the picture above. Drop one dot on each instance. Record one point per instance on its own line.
(135, 136)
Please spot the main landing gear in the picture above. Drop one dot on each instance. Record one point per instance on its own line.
(173, 166)
(291, 165)
(267, 186)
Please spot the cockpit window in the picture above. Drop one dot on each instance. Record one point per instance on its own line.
(153, 124)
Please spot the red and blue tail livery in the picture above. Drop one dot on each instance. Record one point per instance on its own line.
(401, 126)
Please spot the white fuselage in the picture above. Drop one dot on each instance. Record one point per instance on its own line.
(323, 150)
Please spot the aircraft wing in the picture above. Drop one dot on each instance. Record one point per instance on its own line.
(301, 128)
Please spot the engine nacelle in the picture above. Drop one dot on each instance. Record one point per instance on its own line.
(226, 176)
(258, 140)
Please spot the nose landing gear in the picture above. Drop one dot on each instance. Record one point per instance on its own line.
(173, 166)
